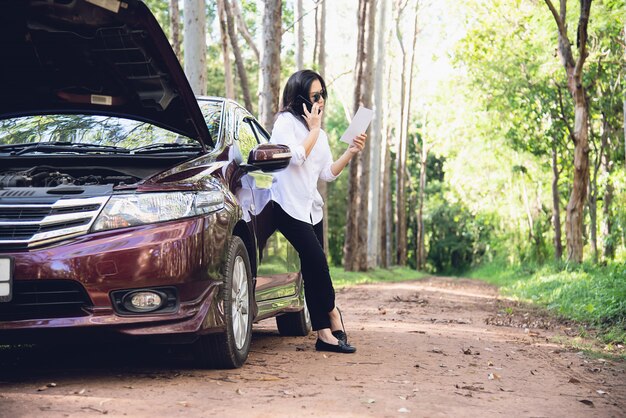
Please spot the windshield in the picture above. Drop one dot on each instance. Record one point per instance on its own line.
(94, 133)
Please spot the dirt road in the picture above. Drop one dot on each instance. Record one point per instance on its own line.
(429, 348)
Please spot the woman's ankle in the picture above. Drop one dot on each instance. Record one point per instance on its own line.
(327, 336)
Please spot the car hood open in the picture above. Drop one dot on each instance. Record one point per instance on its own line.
(107, 57)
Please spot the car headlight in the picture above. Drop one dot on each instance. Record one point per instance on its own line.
(144, 208)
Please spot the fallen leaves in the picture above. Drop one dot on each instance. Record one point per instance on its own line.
(414, 298)
(91, 408)
(471, 388)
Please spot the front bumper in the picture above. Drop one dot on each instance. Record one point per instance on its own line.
(173, 254)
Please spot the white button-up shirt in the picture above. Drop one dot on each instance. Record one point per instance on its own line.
(295, 188)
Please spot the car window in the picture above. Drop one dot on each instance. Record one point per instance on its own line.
(246, 138)
(212, 112)
(262, 135)
(87, 129)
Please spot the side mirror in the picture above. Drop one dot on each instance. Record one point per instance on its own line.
(269, 157)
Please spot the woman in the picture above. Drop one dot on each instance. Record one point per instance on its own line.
(298, 204)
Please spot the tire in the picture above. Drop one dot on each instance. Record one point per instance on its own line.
(294, 324)
(229, 349)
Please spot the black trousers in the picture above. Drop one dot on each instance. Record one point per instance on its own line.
(308, 240)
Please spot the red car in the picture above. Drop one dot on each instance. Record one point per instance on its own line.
(129, 207)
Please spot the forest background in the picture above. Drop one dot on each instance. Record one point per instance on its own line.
(497, 149)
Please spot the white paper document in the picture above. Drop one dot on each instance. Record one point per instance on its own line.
(359, 124)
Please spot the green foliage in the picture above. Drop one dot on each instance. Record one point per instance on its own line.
(160, 10)
(457, 238)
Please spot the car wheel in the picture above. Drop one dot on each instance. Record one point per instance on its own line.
(229, 349)
(295, 324)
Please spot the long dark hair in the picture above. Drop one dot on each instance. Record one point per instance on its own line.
(297, 90)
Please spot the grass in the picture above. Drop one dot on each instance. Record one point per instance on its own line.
(343, 278)
(590, 294)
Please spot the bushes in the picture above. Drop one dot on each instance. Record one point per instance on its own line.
(457, 239)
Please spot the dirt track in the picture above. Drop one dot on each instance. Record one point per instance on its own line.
(429, 348)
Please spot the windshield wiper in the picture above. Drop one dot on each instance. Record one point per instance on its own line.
(166, 147)
(53, 147)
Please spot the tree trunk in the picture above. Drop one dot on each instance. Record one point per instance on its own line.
(300, 35)
(593, 188)
(556, 206)
(354, 199)
(574, 71)
(386, 207)
(400, 210)
(593, 217)
(377, 144)
(243, 29)
(241, 68)
(386, 201)
(408, 55)
(320, 39)
(420, 251)
(355, 252)
(195, 45)
(270, 63)
(175, 28)
(228, 74)
(366, 101)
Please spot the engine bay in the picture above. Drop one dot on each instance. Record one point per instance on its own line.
(45, 176)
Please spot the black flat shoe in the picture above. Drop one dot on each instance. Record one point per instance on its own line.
(341, 336)
(339, 348)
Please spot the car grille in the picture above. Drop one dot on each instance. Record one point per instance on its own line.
(25, 226)
(41, 299)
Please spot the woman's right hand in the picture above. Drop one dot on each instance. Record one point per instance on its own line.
(314, 117)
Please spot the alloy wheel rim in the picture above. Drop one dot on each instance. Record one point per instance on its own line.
(240, 303)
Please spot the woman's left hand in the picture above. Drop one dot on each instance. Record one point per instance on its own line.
(357, 144)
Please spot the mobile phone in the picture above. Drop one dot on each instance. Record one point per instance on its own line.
(307, 101)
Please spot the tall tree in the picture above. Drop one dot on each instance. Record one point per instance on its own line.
(574, 71)
(377, 144)
(319, 55)
(355, 247)
(269, 85)
(242, 28)
(366, 96)
(241, 68)
(406, 83)
(228, 72)
(175, 28)
(300, 35)
(420, 247)
(195, 45)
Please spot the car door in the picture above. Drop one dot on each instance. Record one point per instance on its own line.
(279, 265)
